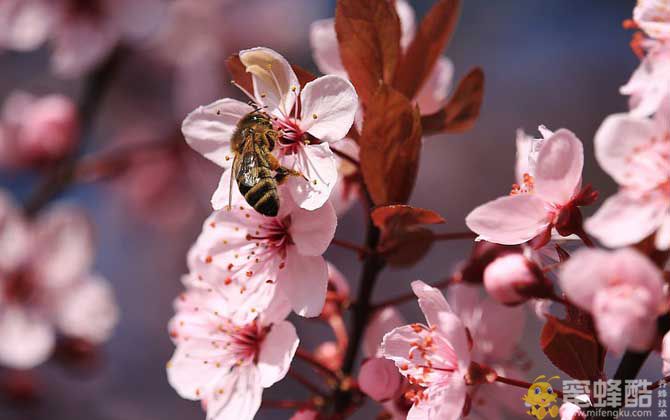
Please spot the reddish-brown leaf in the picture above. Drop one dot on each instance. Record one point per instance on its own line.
(238, 73)
(304, 76)
(407, 247)
(404, 215)
(572, 349)
(390, 145)
(368, 34)
(240, 76)
(463, 107)
(431, 39)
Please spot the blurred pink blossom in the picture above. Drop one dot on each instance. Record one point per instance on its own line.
(570, 411)
(650, 83)
(82, 33)
(327, 108)
(46, 284)
(623, 290)
(305, 414)
(545, 200)
(224, 362)
(435, 357)
(496, 333)
(635, 151)
(36, 130)
(653, 16)
(378, 378)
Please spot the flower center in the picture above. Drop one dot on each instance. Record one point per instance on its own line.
(527, 186)
(19, 288)
(91, 9)
(432, 361)
(242, 343)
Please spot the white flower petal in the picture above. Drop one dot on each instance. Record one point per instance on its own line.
(304, 282)
(27, 340)
(209, 129)
(277, 352)
(328, 107)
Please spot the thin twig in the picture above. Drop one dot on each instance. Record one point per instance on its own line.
(307, 357)
(287, 404)
(62, 174)
(398, 300)
(454, 236)
(306, 383)
(520, 384)
(351, 246)
(346, 157)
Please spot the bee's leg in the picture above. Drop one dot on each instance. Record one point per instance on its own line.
(281, 172)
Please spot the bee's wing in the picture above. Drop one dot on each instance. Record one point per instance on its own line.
(249, 173)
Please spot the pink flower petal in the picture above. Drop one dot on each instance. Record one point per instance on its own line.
(304, 281)
(25, 24)
(89, 311)
(648, 85)
(581, 281)
(81, 44)
(627, 218)
(558, 172)
(509, 220)
(453, 330)
(240, 399)
(500, 330)
(380, 323)
(665, 354)
(653, 16)
(277, 351)
(662, 240)
(64, 249)
(433, 94)
(209, 129)
(275, 82)
(27, 340)
(328, 107)
(312, 231)
(432, 302)
(325, 49)
(317, 163)
(616, 140)
(407, 22)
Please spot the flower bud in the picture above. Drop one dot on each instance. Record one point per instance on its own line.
(49, 129)
(507, 275)
(570, 411)
(379, 379)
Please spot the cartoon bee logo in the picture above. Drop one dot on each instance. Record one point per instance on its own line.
(541, 399)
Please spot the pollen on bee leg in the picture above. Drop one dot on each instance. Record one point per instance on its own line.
(315, 116)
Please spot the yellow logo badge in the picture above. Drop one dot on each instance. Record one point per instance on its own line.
(541, 399)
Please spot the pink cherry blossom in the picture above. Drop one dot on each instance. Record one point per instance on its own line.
(496, 333)
(223, 361)
(378, 378)
(435, 357)
(635, 151)
(653, 16)
(256, 254)
(507, 275)
(82, 33)
(623, 290)
(570, 411)
(546, 200)
(46, 285)
(650, 83)
(665, 354)
(35, 130)
(325, 50)
(348, 186)
(327, 109)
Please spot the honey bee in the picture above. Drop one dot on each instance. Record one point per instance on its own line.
(252, 144)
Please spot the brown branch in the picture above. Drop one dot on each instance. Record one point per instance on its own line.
(454, 236)
(362, 251)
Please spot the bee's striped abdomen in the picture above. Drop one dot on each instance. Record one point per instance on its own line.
(259, 189)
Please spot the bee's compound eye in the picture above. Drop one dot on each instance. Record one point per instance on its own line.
(550, 391)
(538, 391)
